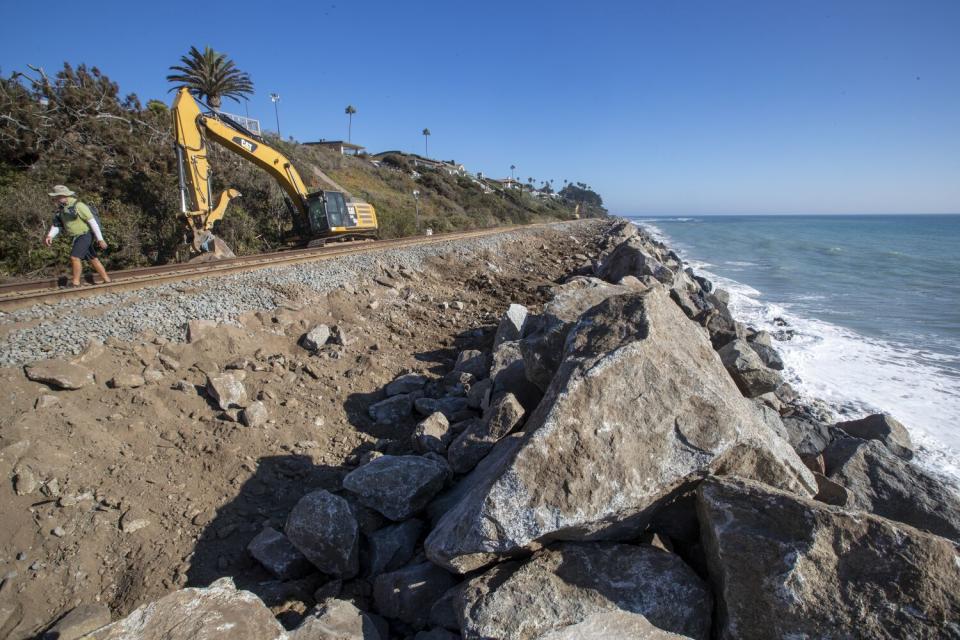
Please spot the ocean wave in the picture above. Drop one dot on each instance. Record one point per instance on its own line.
(740, 263)
(858, 375)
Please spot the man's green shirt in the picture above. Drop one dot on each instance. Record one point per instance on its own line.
(75, 216)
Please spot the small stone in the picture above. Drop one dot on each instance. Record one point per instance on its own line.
(152, 375)
(392, 409)
(432, 434)
(227, 390)
(127, 381)
(456, 304)
(132, 521)
(406, 384)
(254, 415)
(59, 375)
(169, 363)
(24, 482)
(324, 529)
(46, 401)
(314, 339)
(59, 532)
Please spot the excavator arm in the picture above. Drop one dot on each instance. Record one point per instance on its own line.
(191, 130)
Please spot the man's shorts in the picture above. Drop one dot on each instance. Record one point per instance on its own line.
(84, 247)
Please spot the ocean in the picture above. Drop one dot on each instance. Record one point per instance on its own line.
(866, 309)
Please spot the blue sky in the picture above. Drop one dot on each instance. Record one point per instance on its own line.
(667, 107)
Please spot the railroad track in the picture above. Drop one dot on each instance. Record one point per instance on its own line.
(22, 294)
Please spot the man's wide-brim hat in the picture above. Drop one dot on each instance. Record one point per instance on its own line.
(61, 190)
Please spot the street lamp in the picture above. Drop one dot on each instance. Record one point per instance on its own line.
(416, 200)
(275, 98)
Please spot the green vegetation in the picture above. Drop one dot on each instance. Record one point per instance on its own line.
(76, 128)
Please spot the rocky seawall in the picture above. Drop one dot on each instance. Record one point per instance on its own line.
(624, 463)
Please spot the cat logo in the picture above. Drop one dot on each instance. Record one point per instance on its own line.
(246, 144)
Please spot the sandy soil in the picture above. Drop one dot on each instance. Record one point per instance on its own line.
(139, 491)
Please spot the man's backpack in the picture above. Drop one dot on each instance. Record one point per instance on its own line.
(73, 210)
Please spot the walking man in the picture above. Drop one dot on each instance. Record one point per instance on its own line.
(76, 219)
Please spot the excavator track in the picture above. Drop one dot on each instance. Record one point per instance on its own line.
(23, 294)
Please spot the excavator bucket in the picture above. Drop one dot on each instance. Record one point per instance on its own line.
(209, 247)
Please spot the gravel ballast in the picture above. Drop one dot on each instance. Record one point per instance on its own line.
(64, 328)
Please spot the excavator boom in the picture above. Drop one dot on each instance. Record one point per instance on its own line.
(192, 129)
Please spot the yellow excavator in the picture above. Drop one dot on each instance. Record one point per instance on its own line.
(318, 216)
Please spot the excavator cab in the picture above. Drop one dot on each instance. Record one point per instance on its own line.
(330, 214)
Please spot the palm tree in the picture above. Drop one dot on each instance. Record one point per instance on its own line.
(212, 76)
(513, 168)
(350, 110)
(426, 147)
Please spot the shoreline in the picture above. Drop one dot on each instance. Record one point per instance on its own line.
(807, 335)
(560, 435)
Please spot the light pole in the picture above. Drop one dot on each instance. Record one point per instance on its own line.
(275, 98)
(416, 200)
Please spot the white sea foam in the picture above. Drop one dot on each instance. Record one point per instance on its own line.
(858, 375)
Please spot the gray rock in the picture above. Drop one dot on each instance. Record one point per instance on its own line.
(568, 583)
(631, 258)
(406, 383)
(254, 415)
(277, 554)
(336, 620)
(880, 482)
(640, 411)
(543, 347)
(768, 355)
(807, 436)
(450, 407)
(126, 381)
(786, 567)
(443, 613)
(469, 448)
(396, 486)
(747, 369)
(511, 325)
(478, 396)
(884, 428)
(24, 481)
(323, 528)
(79, 622)
(393, 409)
(436, 634)
(509, 375)
(217, 612)
(59, 374)
(409, 593)
(133, 520)
(314, 339)
(392, 547)
(432, 434)
(504, 415)
(613, 625)
(473, 362)
(227, 390)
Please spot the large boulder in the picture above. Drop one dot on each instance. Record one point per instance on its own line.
(566, 584)
(408, 593)
(397, 486)
(59, 374)
(613, 625)
(407, 383)
(884, 428)
(217, 612)
(336, 620)
(316, 338)
(542, 348)
(752, 376)
(322, 526)
(787, 567)
(639, 412)
(880, 482)
(631, 258)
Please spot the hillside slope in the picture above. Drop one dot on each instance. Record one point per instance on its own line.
(76, 129)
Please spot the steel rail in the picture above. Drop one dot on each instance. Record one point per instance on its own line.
(22, 294)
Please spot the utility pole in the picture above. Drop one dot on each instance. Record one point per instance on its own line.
(416, 199)
(275, 98)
